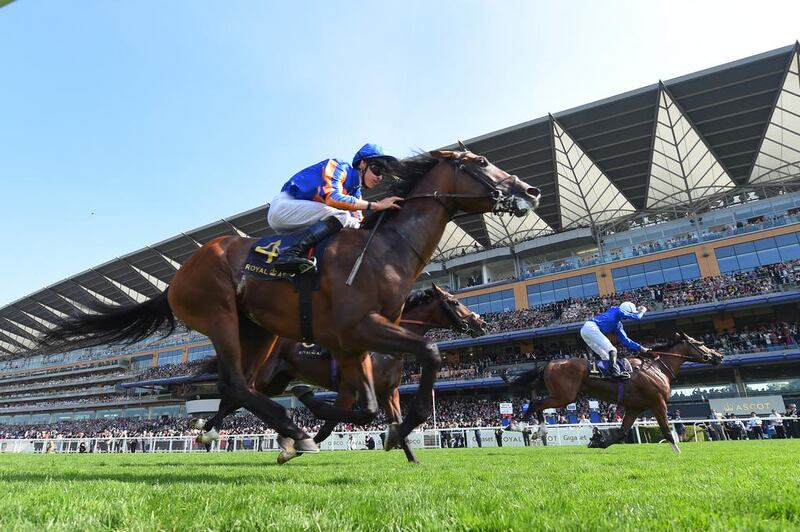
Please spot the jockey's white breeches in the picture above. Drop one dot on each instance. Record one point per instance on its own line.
(596, 340)
(288, 215)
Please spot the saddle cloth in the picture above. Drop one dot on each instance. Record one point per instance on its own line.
(268, 248)
(602, 368)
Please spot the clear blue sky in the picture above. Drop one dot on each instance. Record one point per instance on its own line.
(123, 123)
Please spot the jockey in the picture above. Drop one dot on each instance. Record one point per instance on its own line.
(324, 198)
(593, 333)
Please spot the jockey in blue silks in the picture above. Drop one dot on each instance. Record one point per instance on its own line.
(595, 330)
(323, 198)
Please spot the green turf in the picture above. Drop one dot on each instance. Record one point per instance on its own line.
(721, 486)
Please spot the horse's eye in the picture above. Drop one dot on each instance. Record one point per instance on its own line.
(483, 162)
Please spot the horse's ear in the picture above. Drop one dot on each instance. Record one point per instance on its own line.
(436, 287)
(444, 154)
(463, 146)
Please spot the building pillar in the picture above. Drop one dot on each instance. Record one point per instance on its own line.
(520, 296)
(485, 273)
(707, 261)
(740, 387)
(723, 321)
(605, 282)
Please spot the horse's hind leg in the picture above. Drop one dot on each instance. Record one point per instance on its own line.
(232, 381)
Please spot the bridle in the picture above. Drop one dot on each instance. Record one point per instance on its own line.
(459, 322)
(656, 356)
(502, 202)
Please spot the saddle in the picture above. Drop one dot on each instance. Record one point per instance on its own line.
(263, 253)
(601, 369)
(268, 248)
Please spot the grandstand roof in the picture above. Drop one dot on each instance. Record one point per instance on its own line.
(673, 144)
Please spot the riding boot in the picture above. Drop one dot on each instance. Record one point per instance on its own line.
(615, 371)
(292, 260)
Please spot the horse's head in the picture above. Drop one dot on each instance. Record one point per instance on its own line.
(697, 351)
(462, 319)
(479, 186)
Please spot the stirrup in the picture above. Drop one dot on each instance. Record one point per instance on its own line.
(296, 265)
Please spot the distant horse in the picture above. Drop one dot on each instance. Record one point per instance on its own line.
(242, 315)
(424, 310)
(648, 387)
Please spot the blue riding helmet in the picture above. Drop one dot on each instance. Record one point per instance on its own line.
(370, 151)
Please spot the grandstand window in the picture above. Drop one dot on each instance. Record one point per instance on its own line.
(199, 352)
(577, 287)
(84, 415)
(138, 413)
(40, 418)
(502, 301)
(172, 356)
(749, 255)
(681, 268)
(142, 362)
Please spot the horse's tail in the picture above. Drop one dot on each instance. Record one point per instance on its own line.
(527, 381)
(110, 325)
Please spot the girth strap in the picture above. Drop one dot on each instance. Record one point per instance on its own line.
(305, 284)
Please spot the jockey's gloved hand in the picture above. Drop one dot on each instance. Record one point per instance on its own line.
(644, 349)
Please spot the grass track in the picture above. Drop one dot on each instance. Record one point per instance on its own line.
(719, 486)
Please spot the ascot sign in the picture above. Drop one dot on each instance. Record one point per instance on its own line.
(742, 406)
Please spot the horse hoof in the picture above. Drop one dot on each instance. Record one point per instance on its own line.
(286, 444)
(285, 456)
(392, 437)
(306, 445)
(208, 437)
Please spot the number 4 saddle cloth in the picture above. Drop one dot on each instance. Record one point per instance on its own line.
(265, 250)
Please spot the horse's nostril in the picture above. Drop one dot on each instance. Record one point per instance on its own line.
(533, 191)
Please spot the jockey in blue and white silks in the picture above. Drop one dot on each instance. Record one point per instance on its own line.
(594, 333)
(322, 199)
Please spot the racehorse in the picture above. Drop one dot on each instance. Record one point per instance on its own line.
(242, 315)
(424, 310)
(648, 387)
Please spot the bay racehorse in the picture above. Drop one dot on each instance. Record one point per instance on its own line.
(242, 315)
(647, 389)
(432, 308)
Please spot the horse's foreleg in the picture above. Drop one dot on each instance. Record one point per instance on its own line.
(354, 381)
(226, 407)
(344, 400)
(627, 423)
(378, 334)
(394, 415)
(660, 411)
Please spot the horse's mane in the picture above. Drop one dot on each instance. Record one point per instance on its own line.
(670, 343)
(402, 175)
(417, 298)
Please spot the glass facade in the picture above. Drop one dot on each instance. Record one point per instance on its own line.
(680, 268)
(579, 286)
(748, 255)
(199, 352)
(142, 362)
(173, 356)
(502, 301)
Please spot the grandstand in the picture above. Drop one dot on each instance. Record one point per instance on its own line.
(683, 195)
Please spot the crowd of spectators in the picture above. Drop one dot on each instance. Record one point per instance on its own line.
(761, 280)
(451, 412)
(656, 245)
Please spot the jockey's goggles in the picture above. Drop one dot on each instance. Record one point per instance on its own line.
(375, 169)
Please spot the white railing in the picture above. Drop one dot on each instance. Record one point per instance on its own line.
(557, 435)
